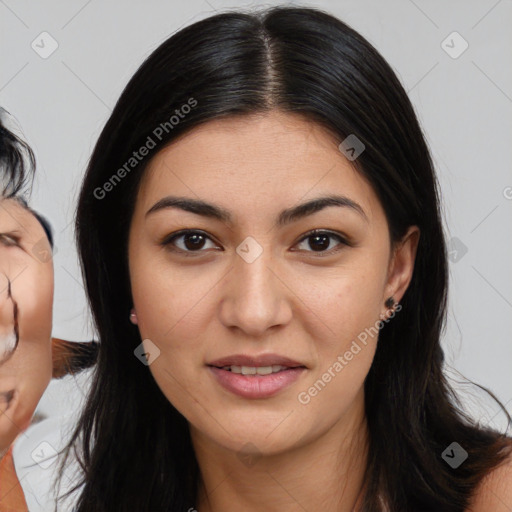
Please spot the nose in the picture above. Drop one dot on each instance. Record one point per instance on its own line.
(254, 297)
(8, 337)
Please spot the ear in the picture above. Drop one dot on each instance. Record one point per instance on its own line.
(401, 265)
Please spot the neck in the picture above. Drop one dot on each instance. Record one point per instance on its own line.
(324, 474)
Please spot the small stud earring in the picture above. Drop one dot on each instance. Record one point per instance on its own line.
(390, 302)
(133, 316)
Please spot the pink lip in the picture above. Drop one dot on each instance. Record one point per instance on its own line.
(260, 360)
(256, 386)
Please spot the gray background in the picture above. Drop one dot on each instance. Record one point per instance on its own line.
(464, 105)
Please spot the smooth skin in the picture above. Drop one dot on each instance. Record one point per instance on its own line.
(25, 262)
(199, 301)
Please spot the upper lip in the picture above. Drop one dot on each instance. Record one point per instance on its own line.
(259, 360)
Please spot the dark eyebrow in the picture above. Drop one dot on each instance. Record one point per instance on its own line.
(285, 217)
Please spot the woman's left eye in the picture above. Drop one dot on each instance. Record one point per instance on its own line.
(195, 241)
(320, 239)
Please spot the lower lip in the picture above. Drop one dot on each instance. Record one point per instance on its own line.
(256, 386)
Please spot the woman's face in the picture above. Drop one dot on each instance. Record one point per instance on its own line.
(258, 285)
(26, 298)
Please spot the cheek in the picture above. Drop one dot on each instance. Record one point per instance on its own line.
(172, 302)
(344, 329)
(169, 312)
(346, 300)
(34, 295)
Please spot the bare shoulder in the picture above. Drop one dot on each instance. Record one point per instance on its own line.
(495, 491)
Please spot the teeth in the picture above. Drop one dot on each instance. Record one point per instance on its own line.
(264, 370)
(253, 370)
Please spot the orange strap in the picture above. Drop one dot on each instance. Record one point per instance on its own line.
(11, 493)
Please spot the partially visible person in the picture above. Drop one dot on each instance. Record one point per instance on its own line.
(27, 362)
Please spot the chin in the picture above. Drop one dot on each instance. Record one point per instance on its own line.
(252, 436)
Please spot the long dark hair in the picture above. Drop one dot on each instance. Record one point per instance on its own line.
(133, 445)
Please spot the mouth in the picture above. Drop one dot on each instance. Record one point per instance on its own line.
(249, 365)
(256, 370)
(255, 361)
(256, 377)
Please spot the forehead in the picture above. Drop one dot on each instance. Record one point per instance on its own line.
(254, 140)
(16, 217)
(255, 161)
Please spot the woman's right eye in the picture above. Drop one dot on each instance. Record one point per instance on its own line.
(192, 242)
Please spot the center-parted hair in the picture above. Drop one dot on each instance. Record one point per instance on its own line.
(134, 445)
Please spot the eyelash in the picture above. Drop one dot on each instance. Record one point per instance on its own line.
(168, 242)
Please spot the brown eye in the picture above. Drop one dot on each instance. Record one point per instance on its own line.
(193, 241)
(320, 242)
(189, 241)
